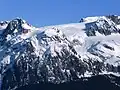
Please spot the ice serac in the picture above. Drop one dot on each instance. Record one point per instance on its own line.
(60, 53)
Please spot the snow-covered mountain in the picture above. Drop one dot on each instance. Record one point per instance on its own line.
(58, 54)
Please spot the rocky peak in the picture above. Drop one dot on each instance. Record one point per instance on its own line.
(105, 25)
(114, 18)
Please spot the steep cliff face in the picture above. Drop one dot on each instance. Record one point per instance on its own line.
(58, 54)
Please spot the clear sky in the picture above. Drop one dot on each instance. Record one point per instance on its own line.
(51, 12)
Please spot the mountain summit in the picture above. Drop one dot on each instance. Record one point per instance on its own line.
(60, 53)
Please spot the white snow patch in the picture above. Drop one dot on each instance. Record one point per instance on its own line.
(6, 60)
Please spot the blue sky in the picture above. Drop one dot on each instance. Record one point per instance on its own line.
(51, 12)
